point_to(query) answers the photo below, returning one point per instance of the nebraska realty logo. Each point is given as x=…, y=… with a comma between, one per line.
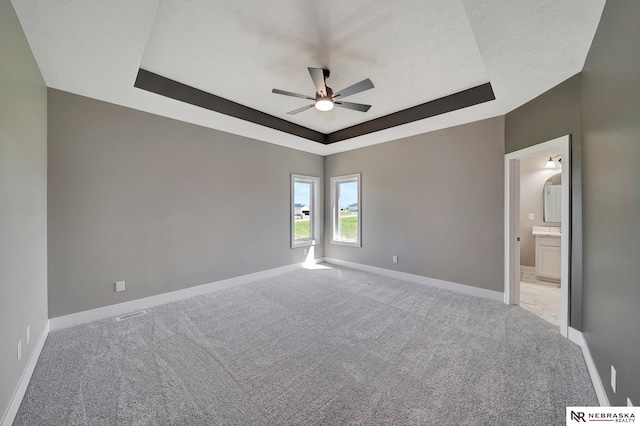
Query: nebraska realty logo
x=578, y=415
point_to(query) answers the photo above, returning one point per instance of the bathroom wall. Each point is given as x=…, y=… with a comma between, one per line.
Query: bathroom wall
x=533, y=175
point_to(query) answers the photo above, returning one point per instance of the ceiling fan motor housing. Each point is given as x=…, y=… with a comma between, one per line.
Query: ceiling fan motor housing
x=328, y=97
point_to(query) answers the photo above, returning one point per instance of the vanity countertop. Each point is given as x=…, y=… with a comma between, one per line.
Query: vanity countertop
x=547, y=231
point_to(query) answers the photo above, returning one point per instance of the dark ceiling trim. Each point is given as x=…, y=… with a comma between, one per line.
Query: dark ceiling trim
x=160, y=85
x=466, y=98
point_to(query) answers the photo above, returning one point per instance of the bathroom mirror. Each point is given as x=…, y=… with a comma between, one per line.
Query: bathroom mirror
x=552, y=199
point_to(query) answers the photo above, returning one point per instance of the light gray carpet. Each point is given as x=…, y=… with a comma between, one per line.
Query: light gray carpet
x=325, y=347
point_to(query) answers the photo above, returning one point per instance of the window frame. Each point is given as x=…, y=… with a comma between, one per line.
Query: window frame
x=335, y=209
x=314, y=211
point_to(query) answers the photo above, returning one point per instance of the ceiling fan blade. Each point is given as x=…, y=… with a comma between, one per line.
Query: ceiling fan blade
x=317, y=75
x=356, y=88
x=329, y=116
x=304, y=108
x=295, y=95
x=351, y=105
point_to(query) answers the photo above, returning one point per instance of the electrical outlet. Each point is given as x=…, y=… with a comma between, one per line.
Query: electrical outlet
x=629, y=404
x=19, y=350
x=613, y=379
x=28, y=334
x=120, y=286
x=531, y=216
x=395, y=259
x=305, y=251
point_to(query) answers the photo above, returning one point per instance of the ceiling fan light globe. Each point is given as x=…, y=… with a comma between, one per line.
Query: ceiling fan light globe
x=324, y=105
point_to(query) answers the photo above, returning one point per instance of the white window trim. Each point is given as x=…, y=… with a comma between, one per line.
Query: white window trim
x=314, y=211
x=335, y=209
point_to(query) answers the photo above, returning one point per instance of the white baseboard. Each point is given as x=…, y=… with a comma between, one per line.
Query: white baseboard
x=577, y=337
x=160, y=299
x=16, y=400
x=432, y=282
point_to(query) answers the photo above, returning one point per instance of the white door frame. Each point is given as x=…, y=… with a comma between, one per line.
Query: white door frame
x=512, y=221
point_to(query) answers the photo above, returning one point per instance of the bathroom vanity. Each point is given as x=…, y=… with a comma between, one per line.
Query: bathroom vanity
x=548, y=255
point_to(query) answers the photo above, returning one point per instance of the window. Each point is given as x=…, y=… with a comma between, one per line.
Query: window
x=304, y=210
x=346, y=212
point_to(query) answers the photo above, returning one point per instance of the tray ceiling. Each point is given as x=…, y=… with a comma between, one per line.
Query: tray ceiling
x=413, y=51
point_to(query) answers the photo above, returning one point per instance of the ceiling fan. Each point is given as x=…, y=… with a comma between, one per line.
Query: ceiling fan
x=325, y=99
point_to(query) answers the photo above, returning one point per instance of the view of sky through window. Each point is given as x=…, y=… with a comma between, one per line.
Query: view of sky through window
x=302, y=193
x=348, y=194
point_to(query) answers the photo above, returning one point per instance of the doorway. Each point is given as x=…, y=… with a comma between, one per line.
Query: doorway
x=513, y=231
x=540, y=231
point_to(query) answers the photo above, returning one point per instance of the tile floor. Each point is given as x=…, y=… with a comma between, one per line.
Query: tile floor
x=540, y=297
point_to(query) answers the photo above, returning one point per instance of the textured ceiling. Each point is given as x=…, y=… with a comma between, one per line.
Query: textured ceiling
x=250, y=50
x=413, y=51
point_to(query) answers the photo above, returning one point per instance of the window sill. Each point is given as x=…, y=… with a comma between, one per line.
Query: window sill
x=346, y=243
x=308, y=243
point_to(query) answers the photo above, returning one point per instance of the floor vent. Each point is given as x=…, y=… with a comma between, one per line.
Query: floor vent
x=131, y=315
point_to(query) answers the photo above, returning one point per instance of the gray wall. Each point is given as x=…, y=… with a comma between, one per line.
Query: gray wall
x=611, y=148
x=553, y=114
x=159, y=203
x=533, y=176
x=23, y=202
x=434, y=200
